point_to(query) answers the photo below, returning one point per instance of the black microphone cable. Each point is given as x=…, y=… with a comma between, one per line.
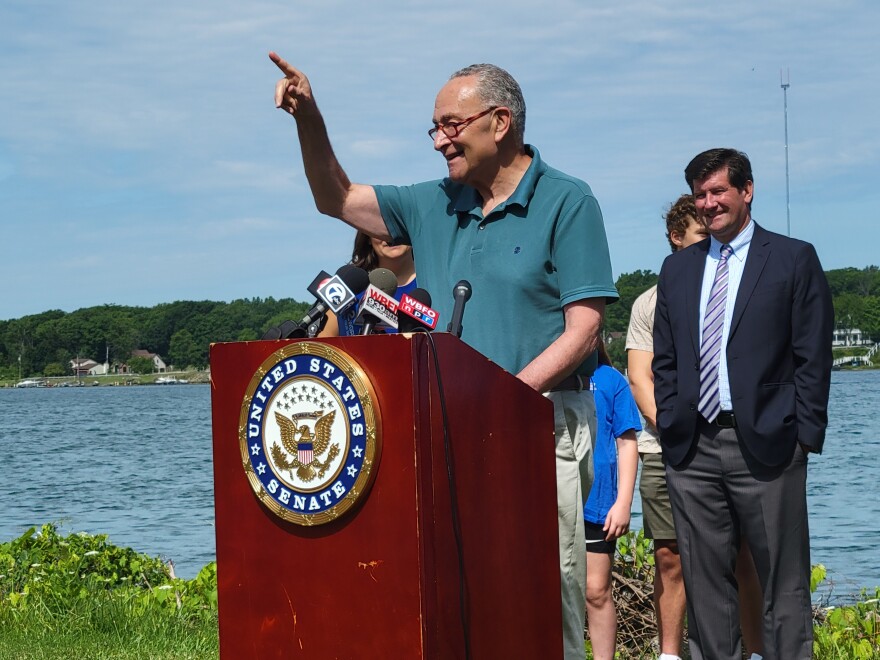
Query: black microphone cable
x=453, y=505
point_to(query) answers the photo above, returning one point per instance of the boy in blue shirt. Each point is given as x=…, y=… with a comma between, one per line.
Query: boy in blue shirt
x=607, y=511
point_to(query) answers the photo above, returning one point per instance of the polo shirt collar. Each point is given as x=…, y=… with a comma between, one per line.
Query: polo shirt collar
x=469, y=201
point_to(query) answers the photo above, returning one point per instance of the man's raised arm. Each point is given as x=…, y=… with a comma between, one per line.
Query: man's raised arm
x=334, y=194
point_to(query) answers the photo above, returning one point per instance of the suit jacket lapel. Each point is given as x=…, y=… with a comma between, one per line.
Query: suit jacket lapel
x=692, y=288
x=759, y=250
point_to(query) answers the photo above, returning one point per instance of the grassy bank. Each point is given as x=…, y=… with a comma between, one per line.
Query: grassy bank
x=79, y=597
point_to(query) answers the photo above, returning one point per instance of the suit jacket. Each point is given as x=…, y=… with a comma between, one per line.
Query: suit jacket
x=778, y=349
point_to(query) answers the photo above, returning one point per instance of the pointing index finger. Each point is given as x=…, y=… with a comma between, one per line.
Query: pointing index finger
x=282, y=64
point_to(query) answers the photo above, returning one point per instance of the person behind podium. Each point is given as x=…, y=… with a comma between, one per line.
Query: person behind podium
x=369, y=254
x=742, y=371
x=607, y=512
x=530, y=240
x=683, y=229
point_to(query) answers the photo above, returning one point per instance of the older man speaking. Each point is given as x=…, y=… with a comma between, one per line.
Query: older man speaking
x=529, y=238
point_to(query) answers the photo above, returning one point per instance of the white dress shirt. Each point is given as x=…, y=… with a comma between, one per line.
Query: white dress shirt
x=735, y=265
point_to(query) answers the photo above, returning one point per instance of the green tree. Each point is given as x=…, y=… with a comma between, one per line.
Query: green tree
x=21, y=341
x=849, y=311
x=63, y=356
x=247, y=334
x=186, y=352
x=120, y=334
x=140, y=365
x=55, y=369
x=629, y=286
x=860, y=282
x=871, y=318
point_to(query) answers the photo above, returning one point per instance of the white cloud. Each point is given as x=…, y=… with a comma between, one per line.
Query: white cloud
x=150, y=128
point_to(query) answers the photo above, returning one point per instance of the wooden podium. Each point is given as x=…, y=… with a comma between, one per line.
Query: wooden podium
x=412, y=570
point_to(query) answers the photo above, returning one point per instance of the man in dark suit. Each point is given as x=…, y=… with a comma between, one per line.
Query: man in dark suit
x=742, y=369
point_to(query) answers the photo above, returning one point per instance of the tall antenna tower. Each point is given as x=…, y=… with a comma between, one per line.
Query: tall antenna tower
x=785, y=83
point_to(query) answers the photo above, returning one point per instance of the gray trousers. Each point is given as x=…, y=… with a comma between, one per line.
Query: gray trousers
x=719, y=491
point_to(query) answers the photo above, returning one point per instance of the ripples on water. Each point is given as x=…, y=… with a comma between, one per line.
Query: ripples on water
x=842, y=485
x=130, y=462
x=135, y=463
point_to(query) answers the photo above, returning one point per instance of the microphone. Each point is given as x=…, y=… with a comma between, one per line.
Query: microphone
x=340, y=291
x=320, y=278
x=414, y=313
x=384, y=279
x=461, y=293
x=378, y=307
x=347, y=279
x=336, y=292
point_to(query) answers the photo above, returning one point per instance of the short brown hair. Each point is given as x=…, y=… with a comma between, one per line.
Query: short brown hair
x=739, y=169
x=679, y=216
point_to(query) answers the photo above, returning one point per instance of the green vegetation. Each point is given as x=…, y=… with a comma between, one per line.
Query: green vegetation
x=629, y=286
x=180, y=332
x=857, y=299
x=846, y=351
x=851, y=631
x=78, y=596
x=856, y=296
x=845, y=632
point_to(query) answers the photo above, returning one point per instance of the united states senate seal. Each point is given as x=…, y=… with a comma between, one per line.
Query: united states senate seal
x=309, y=433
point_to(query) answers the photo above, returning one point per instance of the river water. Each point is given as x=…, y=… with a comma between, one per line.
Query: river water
x=135, y=463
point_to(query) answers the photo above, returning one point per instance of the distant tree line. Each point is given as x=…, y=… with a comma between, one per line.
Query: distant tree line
x=182, y=331
x=856, y=294
x=857, y=299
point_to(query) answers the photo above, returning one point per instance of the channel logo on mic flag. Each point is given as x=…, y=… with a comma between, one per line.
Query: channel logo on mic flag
x=336, y=294
x=418, y=310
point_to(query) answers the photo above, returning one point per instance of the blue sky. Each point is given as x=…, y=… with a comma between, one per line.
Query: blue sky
x=142, y=159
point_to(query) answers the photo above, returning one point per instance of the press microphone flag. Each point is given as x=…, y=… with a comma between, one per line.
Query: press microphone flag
x=378, y=309
x=321, y=277
x=331, y=291
x=414, y=312
x=349, y=275
x=335, y=294
x=378, y=306
x=339, y=292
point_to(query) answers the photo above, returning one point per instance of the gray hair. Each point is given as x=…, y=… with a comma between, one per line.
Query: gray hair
x=497, y=87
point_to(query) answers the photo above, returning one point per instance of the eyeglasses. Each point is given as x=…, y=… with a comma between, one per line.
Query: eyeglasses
x=453, y=128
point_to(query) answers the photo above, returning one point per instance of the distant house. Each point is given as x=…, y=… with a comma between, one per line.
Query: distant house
x=612, y=337
x=87, y=367
x=158, y=363
x=849, y=337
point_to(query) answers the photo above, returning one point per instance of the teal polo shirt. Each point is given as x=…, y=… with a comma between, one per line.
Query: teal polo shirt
x=541, y=249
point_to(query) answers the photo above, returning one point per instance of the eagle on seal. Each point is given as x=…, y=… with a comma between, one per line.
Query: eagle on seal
x=304, y=448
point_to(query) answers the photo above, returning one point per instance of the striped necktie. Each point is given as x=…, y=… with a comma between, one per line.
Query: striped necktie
x=710, y=348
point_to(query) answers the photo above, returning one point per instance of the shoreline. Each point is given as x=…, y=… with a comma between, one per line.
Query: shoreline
x=189, y=377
